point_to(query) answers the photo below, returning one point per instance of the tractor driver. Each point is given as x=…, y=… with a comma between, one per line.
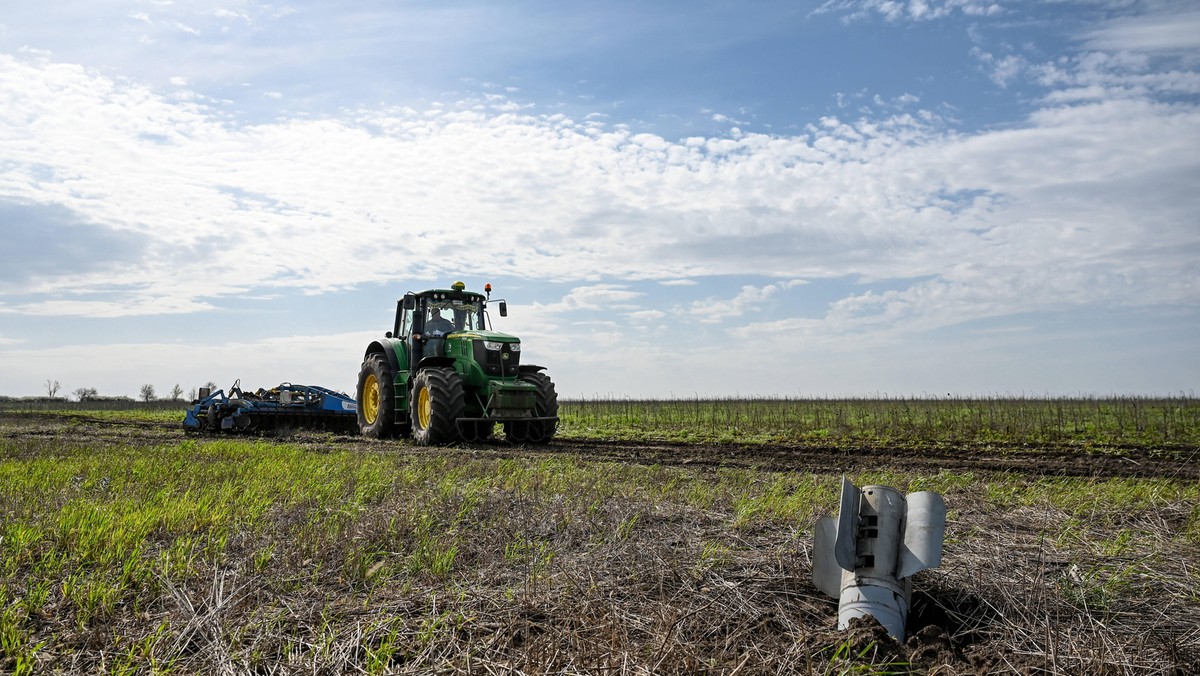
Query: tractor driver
x=438, y=325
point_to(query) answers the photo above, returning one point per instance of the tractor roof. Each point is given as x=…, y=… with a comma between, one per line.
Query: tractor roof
x=449, y=293
x=454, y=294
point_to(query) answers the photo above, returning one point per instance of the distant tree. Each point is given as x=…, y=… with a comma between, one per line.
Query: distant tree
x=176, y=392
x=147, y=392
x=85, y=393
x=211, y=386
x=192, y=394
x=52, y=388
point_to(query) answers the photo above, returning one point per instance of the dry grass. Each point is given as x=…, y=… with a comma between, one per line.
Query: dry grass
x=1014, y=590
x=264, y=557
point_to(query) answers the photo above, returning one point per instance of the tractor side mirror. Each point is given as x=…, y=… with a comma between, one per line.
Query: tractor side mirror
x=503, y=309
x=409, y=302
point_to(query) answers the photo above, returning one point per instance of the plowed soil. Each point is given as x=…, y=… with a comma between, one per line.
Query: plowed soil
x=1064, y=460
x=1115, y=462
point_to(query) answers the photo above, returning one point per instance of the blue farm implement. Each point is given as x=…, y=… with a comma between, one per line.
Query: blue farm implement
x=284, y=407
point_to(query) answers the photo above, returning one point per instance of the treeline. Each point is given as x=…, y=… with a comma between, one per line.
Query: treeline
x=86, y=395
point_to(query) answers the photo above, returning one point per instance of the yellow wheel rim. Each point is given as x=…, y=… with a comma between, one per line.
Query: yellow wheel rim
x=424, y=408
x=370, y=399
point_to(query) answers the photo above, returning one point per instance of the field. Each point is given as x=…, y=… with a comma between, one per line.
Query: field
x=650, y=537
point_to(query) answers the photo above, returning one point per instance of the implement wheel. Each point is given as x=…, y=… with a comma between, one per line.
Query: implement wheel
x=538, y=431
x=437, y=404
x=376, y=398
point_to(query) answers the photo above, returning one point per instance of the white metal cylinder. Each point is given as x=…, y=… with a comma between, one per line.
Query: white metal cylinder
x=872, y=588
x=887, y=603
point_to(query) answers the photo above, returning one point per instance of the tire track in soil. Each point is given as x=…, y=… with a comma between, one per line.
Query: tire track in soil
x=1132, y=463
x=1126, y=461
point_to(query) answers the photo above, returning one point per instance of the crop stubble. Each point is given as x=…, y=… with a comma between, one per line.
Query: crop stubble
x=634, y=583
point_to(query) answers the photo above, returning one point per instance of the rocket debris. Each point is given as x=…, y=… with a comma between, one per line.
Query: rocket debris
x=866, y=558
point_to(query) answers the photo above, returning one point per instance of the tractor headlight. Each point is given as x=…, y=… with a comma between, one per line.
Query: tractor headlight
x=492, y=344
x=514, y=347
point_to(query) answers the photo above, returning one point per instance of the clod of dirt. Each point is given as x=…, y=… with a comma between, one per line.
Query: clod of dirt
x=865, y=637
x=931, y=646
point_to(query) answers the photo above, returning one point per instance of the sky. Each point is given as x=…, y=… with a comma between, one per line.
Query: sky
x=676, y=199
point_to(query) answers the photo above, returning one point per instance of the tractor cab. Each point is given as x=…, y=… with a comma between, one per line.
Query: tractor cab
x=424, y=320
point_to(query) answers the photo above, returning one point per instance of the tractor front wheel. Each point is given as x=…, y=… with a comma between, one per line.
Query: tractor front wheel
x=437, y=404
x=376, y=398
x=545, y=406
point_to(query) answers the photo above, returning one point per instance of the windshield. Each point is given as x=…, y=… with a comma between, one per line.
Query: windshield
x=445, y=316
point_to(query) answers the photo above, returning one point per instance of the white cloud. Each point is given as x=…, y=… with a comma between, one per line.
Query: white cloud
x=603, y=297
x=108, y=309
x=750, y=298
x=1157, y=33
x=1095, y=188
x=910, y=10
x=1006, y=69
x=223, y=13
x=1101, y=76
x=646, y=316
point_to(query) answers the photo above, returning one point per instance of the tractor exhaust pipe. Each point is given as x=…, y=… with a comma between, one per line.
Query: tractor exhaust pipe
x=867, y=557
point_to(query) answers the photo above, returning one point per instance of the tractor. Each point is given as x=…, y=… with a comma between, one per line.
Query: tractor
x=441, y=375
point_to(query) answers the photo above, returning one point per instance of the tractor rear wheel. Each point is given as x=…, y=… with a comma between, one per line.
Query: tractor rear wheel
x=546, y=405
x=376, y=397
x=437, y=404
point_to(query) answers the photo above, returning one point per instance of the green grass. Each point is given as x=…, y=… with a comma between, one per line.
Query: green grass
x=110, y=409
x=1082, y=421
x=93, y=534
x=164, y=414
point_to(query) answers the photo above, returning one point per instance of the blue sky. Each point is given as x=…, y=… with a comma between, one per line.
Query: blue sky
x=853, y=197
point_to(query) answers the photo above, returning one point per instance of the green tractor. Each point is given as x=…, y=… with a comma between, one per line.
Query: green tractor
x=441, y=376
